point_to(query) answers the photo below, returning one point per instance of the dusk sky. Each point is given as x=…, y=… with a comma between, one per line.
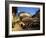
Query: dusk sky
x=30, y=10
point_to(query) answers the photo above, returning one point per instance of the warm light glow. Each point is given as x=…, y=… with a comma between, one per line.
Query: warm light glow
x=25, y=14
